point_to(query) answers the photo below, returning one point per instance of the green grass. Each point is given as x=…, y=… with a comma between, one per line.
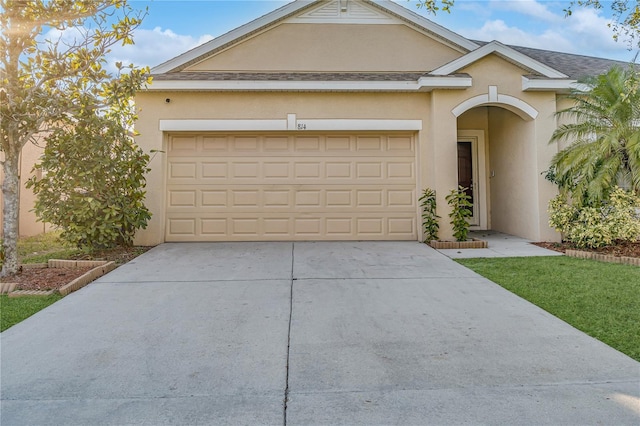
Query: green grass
x=14, y=310
x=41, y=248
x=601, y=299
x=38, y=249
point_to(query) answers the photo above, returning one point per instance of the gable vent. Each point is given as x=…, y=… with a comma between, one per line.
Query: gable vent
x=329, y=11
x=359, y=11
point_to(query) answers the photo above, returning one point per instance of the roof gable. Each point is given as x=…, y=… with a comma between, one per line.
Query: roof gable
x=507, y=53
x=374, y=12
x=331, y=47
x=339, y=12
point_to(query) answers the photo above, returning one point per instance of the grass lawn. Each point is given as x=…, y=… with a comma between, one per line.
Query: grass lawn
x=14, y=310
x=38, y=249
x=601, y=299
x=41, y=248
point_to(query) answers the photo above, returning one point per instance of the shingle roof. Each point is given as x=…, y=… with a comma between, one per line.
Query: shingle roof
x=574, y=66
x=289, y=76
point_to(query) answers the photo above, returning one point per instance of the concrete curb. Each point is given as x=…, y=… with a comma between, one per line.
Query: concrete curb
x=95, y=273
x=624, y=260
x=34, y=265
x=6, y=288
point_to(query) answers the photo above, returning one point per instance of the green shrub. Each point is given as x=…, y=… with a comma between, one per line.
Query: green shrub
x=93, y=180
x=616, y=219
x=430, y=223
x=461, y=206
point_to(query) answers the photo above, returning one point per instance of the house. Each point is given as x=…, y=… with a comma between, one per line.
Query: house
x=28, y=225
x=325, y=120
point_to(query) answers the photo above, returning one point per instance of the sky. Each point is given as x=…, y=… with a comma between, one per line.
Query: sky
x=175, y=26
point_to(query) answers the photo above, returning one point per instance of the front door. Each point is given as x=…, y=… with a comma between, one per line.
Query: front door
x=467, y=153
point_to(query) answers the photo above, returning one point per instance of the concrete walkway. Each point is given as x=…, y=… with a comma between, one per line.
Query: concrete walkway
x=500, y=245
x=346, y=333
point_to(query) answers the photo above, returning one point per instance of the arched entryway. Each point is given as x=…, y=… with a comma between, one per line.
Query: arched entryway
x=497, y=157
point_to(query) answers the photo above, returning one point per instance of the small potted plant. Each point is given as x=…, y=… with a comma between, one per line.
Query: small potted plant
x=461, y=210
x=430, y=224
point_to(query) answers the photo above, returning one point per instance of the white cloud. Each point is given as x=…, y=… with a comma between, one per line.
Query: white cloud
x=154, y=47
x=590, y=30
x=499, y=30
x=529, y=8
x=585, y=32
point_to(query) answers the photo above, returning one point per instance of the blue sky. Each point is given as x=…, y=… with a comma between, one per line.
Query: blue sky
x=174, y=26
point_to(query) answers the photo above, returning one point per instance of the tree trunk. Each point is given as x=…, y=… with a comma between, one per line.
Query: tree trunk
x=11, y=211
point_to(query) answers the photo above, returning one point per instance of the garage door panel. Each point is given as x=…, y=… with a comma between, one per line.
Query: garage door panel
x=369, y=143
x=213, y=228
x=260, y=171
x=402, y=145
x=246, y=187
x=182, y=227
x=277, y=227
x=214, y=143
x=290, y=146
x=339, y=144
x=183, y=171
x=292, y=226
x=216, y=170
x=292, y=198
x=213, y=198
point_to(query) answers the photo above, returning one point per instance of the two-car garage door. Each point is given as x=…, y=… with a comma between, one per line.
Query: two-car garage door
x=295, y=186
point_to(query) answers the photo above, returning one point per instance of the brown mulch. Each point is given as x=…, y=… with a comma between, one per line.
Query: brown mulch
x=119, y=255
x=621, y=249
x=54, y=278
x=44, y=278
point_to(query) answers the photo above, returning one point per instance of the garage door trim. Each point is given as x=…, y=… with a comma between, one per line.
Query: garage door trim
x=291, y=123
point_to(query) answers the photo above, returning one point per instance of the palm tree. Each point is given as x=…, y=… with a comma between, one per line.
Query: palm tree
x=604, y=138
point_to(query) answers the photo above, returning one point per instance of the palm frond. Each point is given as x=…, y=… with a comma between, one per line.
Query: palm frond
x=604, y=137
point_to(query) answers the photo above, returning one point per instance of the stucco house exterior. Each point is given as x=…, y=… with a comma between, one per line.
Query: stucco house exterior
x=29, y=225
x=325, y=120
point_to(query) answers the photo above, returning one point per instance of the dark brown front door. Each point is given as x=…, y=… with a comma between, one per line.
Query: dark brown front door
x=465, y=167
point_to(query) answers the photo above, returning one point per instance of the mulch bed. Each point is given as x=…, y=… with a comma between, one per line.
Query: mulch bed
x=54, y=278
x=622, y=249
x=44, y=278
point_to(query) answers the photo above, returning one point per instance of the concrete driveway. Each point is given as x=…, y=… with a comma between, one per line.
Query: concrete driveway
x=302, y=334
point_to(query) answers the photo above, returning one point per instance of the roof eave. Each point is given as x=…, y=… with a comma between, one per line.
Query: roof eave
x=426, y=24
x=550, y=85
x=424, y=84
x=503, y=51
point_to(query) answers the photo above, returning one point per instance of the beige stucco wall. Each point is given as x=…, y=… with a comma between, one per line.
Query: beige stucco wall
x=510, y=210
x=515, y=145
x=202, y=105
x=513, y=174
x=563, y=103
x=29, y=225
x=296, y=47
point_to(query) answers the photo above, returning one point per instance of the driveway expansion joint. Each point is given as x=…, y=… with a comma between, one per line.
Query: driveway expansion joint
x=286, y=388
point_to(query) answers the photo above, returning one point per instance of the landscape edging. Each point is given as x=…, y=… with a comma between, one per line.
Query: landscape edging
x=624, y=260
x=91, y=275
x=100, y=267
x=472, y=244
